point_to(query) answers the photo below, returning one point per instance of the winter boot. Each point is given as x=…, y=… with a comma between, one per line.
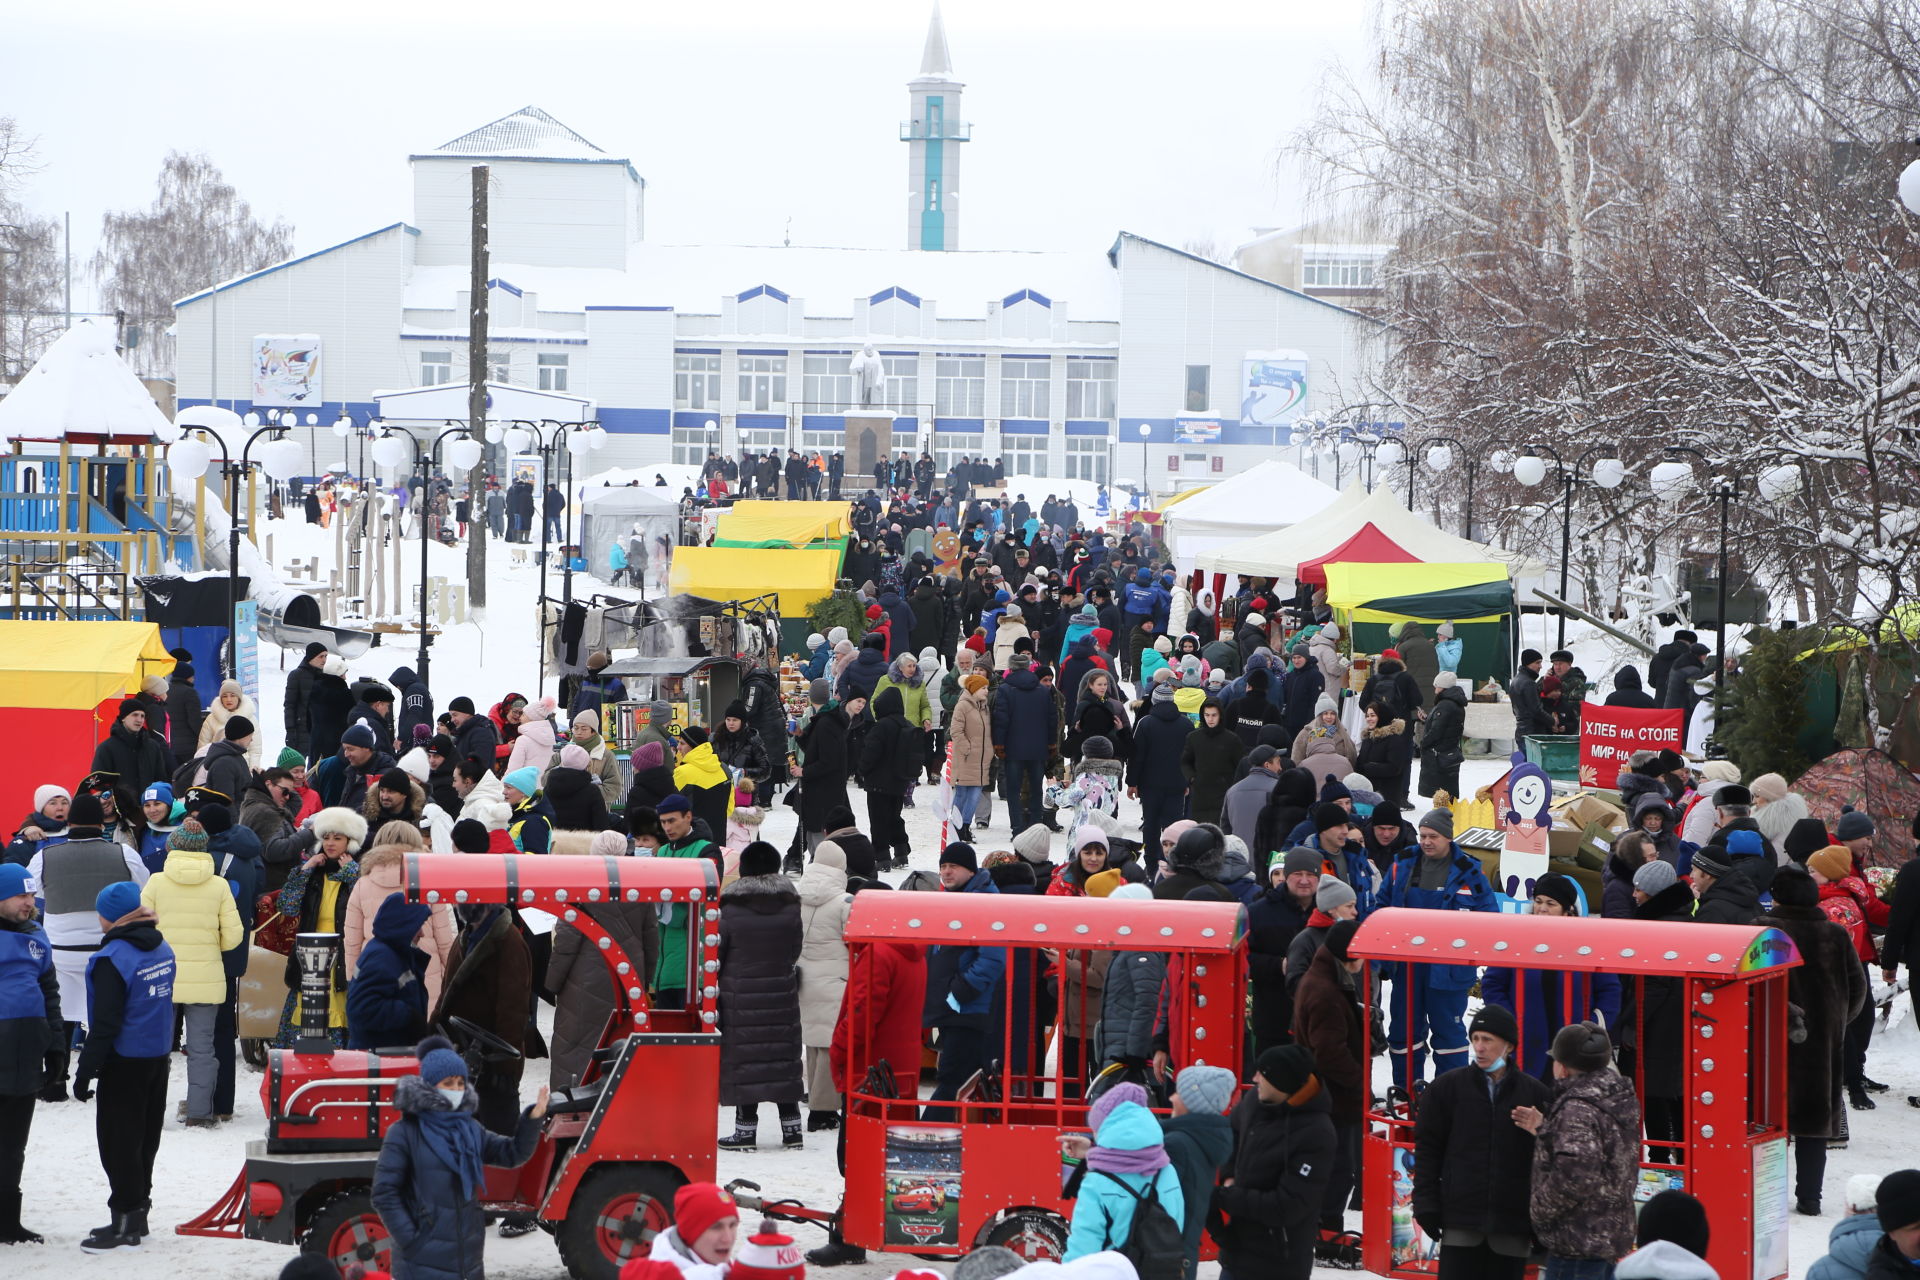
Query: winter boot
x=790, y=1135
x=11, y=1232
x=117, y=1234
x=1857, y=1097
x=835, y=1253
x=137, y=1222
x=745, y=1138
x=794, y=864
x=965, y=835
x=1873, y=1086
x=819, y=1121
x=515, y=1225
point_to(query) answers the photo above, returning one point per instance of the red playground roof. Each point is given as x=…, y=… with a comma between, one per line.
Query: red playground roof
x=1027, y=920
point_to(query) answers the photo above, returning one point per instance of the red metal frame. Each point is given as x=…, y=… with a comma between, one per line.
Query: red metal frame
x=1733, y=1116
x=1009, y=1156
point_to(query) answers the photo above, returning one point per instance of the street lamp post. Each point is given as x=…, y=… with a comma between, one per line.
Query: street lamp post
x=1670, y=481
x=1529, y=469
x=1146, y=485
x=1439, y=452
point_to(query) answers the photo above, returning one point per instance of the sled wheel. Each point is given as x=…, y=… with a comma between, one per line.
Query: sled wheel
x=347, y=1231
x=1034, y=1234
x=615, y=1215
x=254, y=1053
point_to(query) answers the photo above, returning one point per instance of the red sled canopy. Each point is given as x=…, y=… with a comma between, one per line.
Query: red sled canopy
x=1367, y=546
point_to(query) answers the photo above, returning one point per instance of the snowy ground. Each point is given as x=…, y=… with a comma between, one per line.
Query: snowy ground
x=484, y=658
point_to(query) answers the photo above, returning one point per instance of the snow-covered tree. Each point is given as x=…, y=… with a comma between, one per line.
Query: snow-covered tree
x=30, y=267
x=197, y=232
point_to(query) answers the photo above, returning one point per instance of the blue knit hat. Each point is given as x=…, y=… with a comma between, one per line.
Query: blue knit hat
x=525, y=780
x=13, y=879
x=675, y=803
x=161, y=791
x=438, y=1060
x=117, y=900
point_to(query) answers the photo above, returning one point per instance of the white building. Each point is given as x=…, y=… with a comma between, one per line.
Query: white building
x=1054, y=361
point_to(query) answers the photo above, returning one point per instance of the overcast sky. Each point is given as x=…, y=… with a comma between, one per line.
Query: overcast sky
x=1163, y=119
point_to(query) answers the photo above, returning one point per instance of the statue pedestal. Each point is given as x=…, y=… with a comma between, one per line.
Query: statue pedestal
x=869, y=438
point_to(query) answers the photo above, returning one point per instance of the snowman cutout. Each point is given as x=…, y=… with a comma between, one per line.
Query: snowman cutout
x=1523, y=851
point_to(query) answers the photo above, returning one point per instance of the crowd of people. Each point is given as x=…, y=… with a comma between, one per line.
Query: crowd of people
x=1056, y=672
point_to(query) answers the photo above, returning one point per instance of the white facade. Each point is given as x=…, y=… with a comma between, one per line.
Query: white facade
x=1051, y=361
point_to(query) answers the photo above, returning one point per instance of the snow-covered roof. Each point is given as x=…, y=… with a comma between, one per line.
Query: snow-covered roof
x=528, y=133
x=694, y=279
x=80, y=389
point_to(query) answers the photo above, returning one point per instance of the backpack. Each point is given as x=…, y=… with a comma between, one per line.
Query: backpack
x=1154, y=1244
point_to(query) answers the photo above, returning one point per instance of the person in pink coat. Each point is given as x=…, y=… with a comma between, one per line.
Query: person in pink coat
x=382, y=870
x=533, y=746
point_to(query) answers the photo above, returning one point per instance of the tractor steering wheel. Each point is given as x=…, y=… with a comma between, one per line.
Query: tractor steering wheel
x=491, y=1045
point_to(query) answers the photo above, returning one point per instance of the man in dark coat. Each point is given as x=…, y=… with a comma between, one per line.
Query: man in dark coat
x=223, y=771
x=760, y=694
x=1663, y=659
x=34, y=1036
x=373, y=707
x=184, y=714
x=1627, y=691
x=297, y=725
x=929, y=616
x=760, y=940
x=474, y=736
x=964, y=986
x=1421, y=659
x=1326, y=1023
x=1529, y=715
x=1153, y=774
x=1725, y=896
x=889, y=762
x=1274, y=919
x=822, y=744
x=415, y=707
x=1687, y=668
x=328, y=705
x=1828, y=988
x=1473, y=1164
x=1026, y=735
x=1196, y=861
x=1265, y=1218
x=136, y=756
x=1652, y=1023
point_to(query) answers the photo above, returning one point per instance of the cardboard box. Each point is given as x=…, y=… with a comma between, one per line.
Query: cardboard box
x=1585, y=809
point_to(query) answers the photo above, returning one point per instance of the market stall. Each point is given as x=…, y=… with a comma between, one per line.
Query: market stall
x=696, y=690
x=619, y=516
x=795, y=579
x=66, y=680
x=1270, y=495
x=1476, y=598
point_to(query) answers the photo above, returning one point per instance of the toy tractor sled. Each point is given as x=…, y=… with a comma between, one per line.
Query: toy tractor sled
x=610, y=1157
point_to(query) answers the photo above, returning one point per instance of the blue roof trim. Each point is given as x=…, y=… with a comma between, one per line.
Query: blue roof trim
x=610, y=308
x=965, y=426
x=477, y=159
x=491, y=339
x=1088, y=427
x=497, y=283
x=763, y=351
x=1023, y=427
x=821, y=351
x=636, y=422
x=914, y=354
x=696, y=419
x=763, y=290
x=1113, y=259
x=1077, y=355
x=894, y=291
x=960, y=355
x=760, y=422
x=1026, y=295
x=823, y=422
x=291, y=262
x=696, y=351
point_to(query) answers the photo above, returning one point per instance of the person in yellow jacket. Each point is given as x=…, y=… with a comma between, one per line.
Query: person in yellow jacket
x=704, y=781
x=198, y=919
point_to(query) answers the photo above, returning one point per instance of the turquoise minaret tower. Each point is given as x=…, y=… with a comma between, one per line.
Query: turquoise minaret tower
x=934, y=135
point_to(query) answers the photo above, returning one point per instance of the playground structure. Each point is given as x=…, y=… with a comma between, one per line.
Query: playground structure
x=1727, y=1144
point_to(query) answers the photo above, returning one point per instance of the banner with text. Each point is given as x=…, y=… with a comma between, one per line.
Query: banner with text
x=1609, y=735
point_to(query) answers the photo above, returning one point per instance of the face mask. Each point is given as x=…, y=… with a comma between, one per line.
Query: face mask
x=1496, y=1065
x=1363, y=810
x=454, y=1097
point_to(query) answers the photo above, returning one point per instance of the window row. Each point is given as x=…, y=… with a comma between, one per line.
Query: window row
x=436, y=368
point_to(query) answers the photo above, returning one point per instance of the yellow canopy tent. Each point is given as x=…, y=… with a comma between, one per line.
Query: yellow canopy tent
x=797, y=578
x=755, y=520
x=70, y=677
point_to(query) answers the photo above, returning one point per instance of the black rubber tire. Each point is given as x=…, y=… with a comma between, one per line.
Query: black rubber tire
x=1034, y=1234
x=347, y=1230
x=627, y=1203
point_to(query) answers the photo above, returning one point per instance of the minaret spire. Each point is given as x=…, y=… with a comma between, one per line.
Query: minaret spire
x=934, y=135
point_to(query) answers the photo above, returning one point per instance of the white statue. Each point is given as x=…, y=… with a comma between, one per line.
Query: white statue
x=868, y=373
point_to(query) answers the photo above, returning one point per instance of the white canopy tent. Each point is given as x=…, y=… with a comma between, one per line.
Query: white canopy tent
x=1280, y=553
x=615, y=514
x=81, y=390
x=1271, y=495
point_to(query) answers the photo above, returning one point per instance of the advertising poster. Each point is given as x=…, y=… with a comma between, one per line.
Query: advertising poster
x=1275, y=391
x=246, y=647
x=1770, y=1207
x=1610, y=735
x=922, y=1186
x=1410, y=1243
x=286, y=370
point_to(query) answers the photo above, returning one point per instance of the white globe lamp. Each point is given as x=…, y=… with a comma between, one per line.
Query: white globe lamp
x=1529, y=469
x=518, y=439
x=1910, y=187
x=281, y=458
x=463, y=453
x=1439, y=457
x=189, y=457
x=1779, y=484
x=390, y=450
x=1391, y=453
x=1609, y=473
x=1671, y=480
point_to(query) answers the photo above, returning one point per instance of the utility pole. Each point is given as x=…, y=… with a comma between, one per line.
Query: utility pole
x=477, y=394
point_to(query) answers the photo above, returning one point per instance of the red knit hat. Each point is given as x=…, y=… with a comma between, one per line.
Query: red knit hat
x=767, y=1255
x=1390, y=653
x=873, y=611
x=699, y=1205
